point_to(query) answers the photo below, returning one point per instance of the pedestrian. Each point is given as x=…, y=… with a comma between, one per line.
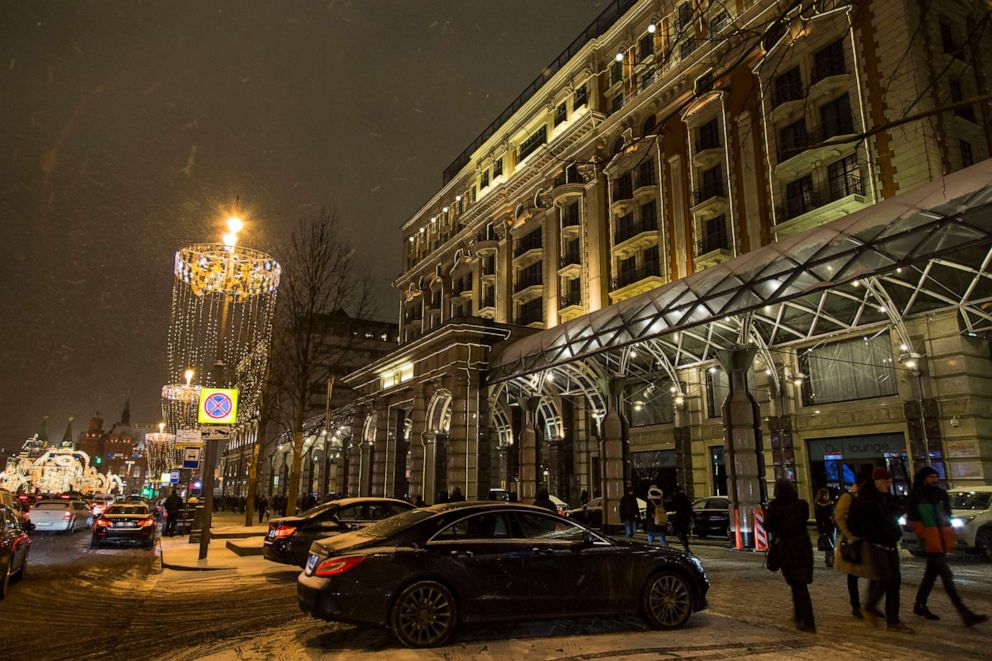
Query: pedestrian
x=656, y=515
x=456, y=495
x=544, y=500
x=854, y=544
x=584, y=498
x=262, y=507
x=823, y=511
x=629, y=513
x=875, y=517
x=929, y=513
x=172, y=505
x=442, y=497
x=786, y=520
x=683, y=516
x=419, y=501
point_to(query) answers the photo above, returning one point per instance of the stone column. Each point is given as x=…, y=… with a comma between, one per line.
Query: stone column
x=380, y=449
x=461, y=436
x=528, y=451
x=421, y=396
x=351, y=455
x=613, y=454
x=742, y=440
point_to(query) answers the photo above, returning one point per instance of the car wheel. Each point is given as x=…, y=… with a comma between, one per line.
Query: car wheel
x=4, y=579
x=424, y=614
x=23, y=569
x=667, y=600
x=983, y=542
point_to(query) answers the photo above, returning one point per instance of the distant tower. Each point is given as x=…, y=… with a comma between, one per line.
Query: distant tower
x=43, y=432
x=126, y=414
x=67, y=441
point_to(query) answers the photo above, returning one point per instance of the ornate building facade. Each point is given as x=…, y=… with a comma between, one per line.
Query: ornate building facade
x=669, y=202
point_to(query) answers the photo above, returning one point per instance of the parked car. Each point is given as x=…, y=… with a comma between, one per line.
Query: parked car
x=127, y=523
x=711, y=517
x=60, y=515
x=591, y=513
x=289, y=537
x=504, y=496
x=971, y=517
x=14, y=547
x=98, y=506
x=423, y=572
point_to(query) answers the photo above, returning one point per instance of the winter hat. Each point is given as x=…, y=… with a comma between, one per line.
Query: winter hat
x=922, y=475
x=654, y=492
x=881, y=474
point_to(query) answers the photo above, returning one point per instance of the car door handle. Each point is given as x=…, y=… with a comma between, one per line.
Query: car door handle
x=462, y=554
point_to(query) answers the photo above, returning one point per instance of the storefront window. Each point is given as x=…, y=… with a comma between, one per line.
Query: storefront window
x=835, y=463
x=848, y=370
x=649, y=404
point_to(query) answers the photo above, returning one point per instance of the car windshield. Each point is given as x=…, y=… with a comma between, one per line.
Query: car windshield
x=314, y=511
x=52, y=505
x=128, y=509
x=394, y=524
x=970, y=500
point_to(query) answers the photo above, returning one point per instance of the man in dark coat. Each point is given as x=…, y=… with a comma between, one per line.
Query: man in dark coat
x=786, y=520
x=683, y=516
x=629, y=513
x=457, y=496
x=875, y=517
x=262, y=507
x=544, y=500
x=172, y=505
x=929, y=513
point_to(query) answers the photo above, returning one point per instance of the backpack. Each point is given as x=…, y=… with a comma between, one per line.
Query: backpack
x=660, y=516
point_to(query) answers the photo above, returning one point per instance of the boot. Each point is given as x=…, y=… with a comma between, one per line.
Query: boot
x=971, y=619
x=900, y=628
x=926, y=613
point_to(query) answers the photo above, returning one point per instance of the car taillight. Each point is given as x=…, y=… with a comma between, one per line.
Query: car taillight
x=67, y=516
x=103, y=523
x=336, y=566
x=285, y=531
x=147, y=522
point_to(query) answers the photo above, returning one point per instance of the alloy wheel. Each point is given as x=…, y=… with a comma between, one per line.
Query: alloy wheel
x=669, y=601
x=984, y=544
x=424, y=615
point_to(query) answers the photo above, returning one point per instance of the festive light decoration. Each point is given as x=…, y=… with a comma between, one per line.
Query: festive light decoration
x=161, y=453
x=58, y=470
x=209, y=276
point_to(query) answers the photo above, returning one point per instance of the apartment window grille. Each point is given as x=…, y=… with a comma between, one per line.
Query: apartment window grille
x=829, y=61
x=616, y=72
x=645, y=47
x=789, y=87
x=835, y=117
x=532, y=143
x=645, y=173
x=561, y=113
x=844, y=177
x=799, y=196
x=581, y=97
x=957, y=96
x=967, y=157
x=848, y=370
x=498, y=167
x=708, y=136
x=616, y=103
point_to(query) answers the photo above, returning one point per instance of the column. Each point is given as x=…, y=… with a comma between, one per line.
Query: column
x=742, y=440
x=380, y=449
x=528, y=451
x=420, y=458
x=613, y=455
x=353, y=456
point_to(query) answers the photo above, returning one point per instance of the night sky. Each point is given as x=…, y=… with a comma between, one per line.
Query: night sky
x=126, y=128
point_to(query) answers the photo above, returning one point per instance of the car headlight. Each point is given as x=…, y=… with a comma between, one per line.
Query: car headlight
x=960, y=521
x=902, y=520
x=697, y=564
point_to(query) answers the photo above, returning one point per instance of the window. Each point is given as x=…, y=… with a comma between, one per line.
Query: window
x=580, y=98
x=531, y=312
x=616, y=103
x=967, y=158
x=649, y=125
x=623, y=187
x=684, y=16
x=481, y=526
x=704, y=83
x=687, y=47
x=531, y=144
x=717, y=390
x=645, y=173
x=651, y=260
x=547, y=527
x=829, y=61
x=616, y=72
x=484, y=179
x=561, y=113
x=799, y=197
x=570, y=215
x=715, y=236
x=649, y=405
x=649, y=215
x=625, y=227
x=848, y=370
x=708, y=136
x=498, y=167
x=788, y=87
x=718, y=21
x=647, y=80
x=628, y=265
x=645, y=47
x=713, y=181
x=947, y=39
x=835, y=117
x=844, y=177
x=792, y=140
x=957, y=96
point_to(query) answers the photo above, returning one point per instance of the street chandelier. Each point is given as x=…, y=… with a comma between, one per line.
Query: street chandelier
x=214, y=268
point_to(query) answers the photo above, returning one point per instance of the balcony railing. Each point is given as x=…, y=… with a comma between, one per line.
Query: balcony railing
x=827, y=65
x=488, y=301
x=626, y=231
x=812, y=137
x=715, y=241
x=568, y=258
x=788, y=92
x=529, y=242
x=527, y=280
x=623, y=188
x=529, y=315
x=814, y=198
x=707, y=192
x=630, y=276
x=571, y=218
x=569, y=298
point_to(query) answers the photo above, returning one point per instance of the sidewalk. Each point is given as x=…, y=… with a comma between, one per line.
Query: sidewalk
x=179, y=554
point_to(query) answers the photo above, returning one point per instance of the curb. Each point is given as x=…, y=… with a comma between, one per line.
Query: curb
x=174, y=567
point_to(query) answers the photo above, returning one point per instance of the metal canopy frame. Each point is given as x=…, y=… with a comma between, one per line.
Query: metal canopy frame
x=926, y=250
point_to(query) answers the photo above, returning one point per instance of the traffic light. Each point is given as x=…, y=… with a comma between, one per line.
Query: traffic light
x=99, y=460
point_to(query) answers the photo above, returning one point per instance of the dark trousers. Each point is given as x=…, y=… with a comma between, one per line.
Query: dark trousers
x=887, y=563
x=261, y=515
x=937, y=566
x=170, y=523
x=683, y=535
x=852, y=591
x=802, y=605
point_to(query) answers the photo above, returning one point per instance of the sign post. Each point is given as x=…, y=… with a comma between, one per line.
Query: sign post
x=218, y=408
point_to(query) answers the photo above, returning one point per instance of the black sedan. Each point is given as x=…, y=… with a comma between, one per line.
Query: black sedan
x=289, y=538
x=422, y=572
x=128, y=523
x=14, y=547
x=711, y=516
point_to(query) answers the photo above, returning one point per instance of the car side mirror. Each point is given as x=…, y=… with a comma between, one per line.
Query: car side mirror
x=31, y=527
x=588, y=539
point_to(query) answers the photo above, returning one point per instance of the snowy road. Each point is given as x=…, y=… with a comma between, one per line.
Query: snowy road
x=77, y=604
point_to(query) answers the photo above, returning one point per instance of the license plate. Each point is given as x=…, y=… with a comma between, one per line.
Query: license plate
x=44, y=523
x=272, y=533
x=125, y=524
x=311, y=563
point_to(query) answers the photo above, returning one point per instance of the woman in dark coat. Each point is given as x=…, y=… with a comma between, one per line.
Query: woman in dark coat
x=786, y=520
x=823, y=510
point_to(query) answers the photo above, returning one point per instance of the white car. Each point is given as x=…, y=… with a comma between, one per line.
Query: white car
x=59, y=515
x=971, y=517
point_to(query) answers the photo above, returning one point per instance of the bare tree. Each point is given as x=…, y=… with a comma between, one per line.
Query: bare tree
x=321, y=281
x=266, y=413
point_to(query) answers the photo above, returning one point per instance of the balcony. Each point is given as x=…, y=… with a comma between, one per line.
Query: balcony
x=801, y=151
x=570, y=302
x=632, y=276
x=530, y=316
x=567, y=184
x=528, y=250
x=528, y=285
x=487, y=306
x=829, y=75
x=787, y=95
x=629, y=237
x=817, y=206
x=714, y=247
x=486, y=242
x=570, y=262
x=461, y=287
x=709, y=200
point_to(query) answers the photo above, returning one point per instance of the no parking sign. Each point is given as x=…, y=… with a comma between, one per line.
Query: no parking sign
x=218, y=406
